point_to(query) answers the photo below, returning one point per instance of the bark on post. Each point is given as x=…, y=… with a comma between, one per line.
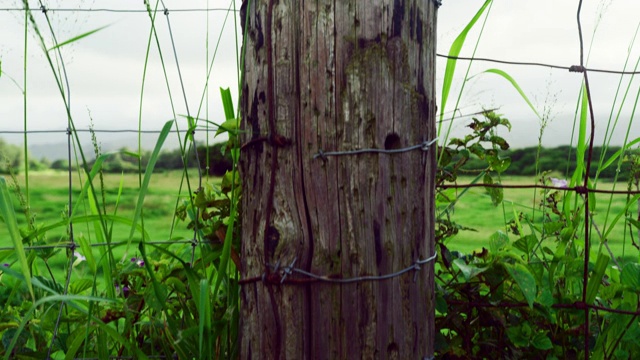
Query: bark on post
x=337, y=75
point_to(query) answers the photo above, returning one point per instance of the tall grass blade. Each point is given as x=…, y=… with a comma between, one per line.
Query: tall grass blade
x=617, y=154
x=204, y=323
x=454, y=51
x=596, y=277
x=623, y=211
x=87, y=253
x=159, y=290
x=147, y=175
x=76, y=38
x=9, y=216
x=581, y=147
x=91, y=174
x=515, y=85
x=226, y=247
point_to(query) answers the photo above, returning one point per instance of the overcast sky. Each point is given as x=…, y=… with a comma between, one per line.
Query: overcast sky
x=105, y=69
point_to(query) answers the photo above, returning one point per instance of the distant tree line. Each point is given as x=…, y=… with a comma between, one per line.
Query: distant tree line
x=12, y=157
x=216, y=158
x=561, y=159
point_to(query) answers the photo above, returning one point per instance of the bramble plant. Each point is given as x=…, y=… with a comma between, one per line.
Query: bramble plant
x=516, y=297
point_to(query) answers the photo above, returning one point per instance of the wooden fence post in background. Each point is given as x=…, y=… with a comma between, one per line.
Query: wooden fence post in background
x=325, y=76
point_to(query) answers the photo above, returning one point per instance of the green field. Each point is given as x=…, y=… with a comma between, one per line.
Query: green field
x=475, y=210
x=48, y=201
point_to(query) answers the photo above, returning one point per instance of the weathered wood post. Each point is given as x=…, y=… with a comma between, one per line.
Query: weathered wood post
x=328, y=76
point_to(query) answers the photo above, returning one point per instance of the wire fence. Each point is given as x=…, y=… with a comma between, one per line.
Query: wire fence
x=584, y=190
x=283, y=274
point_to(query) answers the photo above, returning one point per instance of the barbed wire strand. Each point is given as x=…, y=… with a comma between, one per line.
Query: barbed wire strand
x=424, y=146
x=276, y=277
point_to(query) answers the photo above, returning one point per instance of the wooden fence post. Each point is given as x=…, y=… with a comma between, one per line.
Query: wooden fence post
x=327, y=76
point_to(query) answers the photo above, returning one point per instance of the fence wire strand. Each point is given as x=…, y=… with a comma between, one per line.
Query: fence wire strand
x=572, y=68
x=134, y=11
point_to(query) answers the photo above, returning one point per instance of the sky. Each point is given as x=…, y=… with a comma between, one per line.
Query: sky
x=106, y=68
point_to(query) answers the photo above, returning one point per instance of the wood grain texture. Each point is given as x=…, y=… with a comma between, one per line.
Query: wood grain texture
x=338, y=75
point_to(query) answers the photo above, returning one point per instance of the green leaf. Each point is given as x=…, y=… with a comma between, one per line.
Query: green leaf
x=526, y=243
x=596, y=277
x=469, y=271
x=192, y=127
x=524, y=279
x=499, y=164
x=567, y=233
x=542, y=342
x=80, y=285
x=229, y=126
x=454, y=51
x=552, y=227
x=501, y=142
x=441, y=304
x=76, y=38
x=496, y=194
x=498, y=241
x=630, y=276
x=154, y=296
x=478, y=150
x=517, y=336
x=227, y=103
